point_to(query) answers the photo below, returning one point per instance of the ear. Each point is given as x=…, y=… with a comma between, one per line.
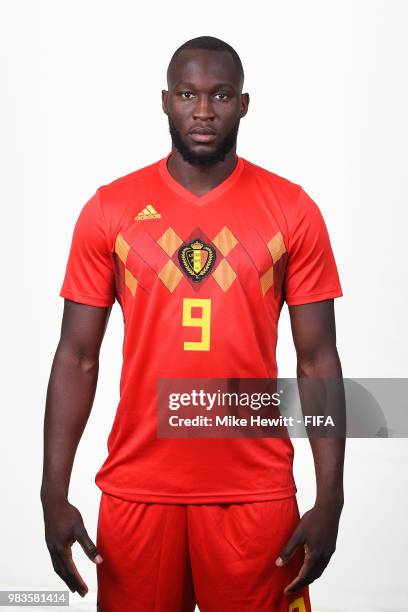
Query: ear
x=244, y=104
x=165, y=95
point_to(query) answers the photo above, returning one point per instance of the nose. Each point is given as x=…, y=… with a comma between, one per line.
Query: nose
x=203, y=109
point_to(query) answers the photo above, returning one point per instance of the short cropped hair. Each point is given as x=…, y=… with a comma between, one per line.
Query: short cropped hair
x=207, y=43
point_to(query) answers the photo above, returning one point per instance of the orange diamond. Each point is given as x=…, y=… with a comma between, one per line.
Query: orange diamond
x=276, y=247
x=170, y=275
x=267, y=280
x=225, y=241
x=130, y=281
x=121, y=248
x=169, y=241
x=224, y=275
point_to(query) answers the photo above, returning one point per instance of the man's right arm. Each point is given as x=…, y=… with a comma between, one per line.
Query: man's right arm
x=70, y=395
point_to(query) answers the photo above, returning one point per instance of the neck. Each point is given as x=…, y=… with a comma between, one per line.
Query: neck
x=200, y=179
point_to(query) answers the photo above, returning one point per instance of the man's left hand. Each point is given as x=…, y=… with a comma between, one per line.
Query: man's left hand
x=317, y=532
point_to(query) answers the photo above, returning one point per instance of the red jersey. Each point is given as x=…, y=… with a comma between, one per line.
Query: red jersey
x=201, y=281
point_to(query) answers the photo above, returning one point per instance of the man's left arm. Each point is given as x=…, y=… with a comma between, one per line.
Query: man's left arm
x=314, y=336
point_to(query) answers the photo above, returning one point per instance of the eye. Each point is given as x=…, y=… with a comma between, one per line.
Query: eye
x=186, y=95
x=222, y=96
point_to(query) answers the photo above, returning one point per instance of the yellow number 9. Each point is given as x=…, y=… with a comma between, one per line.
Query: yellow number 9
x=203, y=322
x=298, y=605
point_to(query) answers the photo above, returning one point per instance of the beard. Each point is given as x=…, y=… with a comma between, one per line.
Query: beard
x=204, y=159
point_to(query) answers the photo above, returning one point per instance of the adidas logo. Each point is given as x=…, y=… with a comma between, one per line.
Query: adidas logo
x=148, y=213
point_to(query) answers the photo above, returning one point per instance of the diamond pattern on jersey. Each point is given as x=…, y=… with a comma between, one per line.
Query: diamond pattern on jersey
x=130, y=282
x=267, y=280
x=225, y=241
x=224, y=275
x=170, y=275
x=170, y=241
x=122, y=249
x=154, y=258
x=277, y=249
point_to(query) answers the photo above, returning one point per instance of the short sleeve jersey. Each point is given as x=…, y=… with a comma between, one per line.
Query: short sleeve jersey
x=164, y=254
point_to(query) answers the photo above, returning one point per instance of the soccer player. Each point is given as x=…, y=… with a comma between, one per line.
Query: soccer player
x=201, y=250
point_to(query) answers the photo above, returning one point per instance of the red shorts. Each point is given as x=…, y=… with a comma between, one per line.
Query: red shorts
x=221, y=557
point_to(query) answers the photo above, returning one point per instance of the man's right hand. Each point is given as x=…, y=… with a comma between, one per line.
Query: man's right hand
x=64, y=526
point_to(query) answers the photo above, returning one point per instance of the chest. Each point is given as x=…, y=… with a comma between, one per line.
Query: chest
x=219, y=246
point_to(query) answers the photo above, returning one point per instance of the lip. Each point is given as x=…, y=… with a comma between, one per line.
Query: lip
x=202, y=134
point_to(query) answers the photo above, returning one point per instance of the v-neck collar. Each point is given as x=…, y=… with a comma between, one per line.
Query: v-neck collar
x=217, y=191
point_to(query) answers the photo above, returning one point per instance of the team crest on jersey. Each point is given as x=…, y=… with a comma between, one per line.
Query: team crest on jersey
x=197, y=259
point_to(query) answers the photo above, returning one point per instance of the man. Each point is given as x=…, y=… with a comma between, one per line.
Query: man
x=200, y=249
